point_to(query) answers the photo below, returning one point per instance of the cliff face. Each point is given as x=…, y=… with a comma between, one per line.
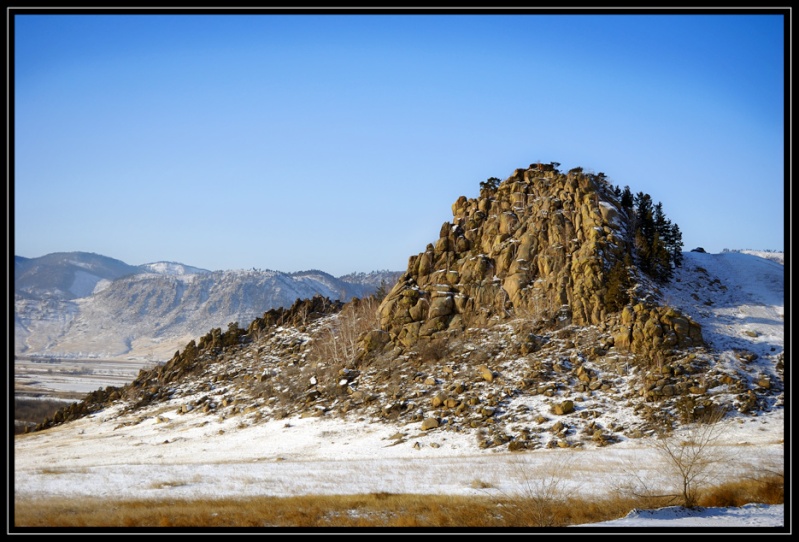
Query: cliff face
x=539, y=246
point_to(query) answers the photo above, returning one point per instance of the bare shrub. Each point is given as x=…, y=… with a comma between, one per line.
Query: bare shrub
x=477, y=483
x=542, y=493
x=291, y=384
x=434, y=350
x=691, y=461
x=336, y=342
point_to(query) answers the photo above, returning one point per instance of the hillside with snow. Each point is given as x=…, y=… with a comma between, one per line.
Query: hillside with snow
x=166, y=450
x=87, y=306
x=739, y=300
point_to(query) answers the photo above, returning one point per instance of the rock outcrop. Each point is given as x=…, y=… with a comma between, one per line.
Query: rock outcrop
x=501, y=329
x=540, y=245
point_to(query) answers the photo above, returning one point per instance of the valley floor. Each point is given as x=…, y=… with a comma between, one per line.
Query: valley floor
x=198, y=459
x=71, y=379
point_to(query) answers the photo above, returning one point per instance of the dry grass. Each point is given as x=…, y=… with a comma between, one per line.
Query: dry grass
x=768, y=488
x=373, y=510
x=376, y=510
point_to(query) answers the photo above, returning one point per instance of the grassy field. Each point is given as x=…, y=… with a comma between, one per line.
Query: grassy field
x=376, y=510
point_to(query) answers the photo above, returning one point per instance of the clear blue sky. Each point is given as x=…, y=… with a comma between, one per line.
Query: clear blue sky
x=339, y=142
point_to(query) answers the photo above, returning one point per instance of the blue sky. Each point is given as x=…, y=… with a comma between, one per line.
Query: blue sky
x=339, y=142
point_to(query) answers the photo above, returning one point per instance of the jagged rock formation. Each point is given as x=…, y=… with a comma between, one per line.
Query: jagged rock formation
x=539, y=246
x=499, y=329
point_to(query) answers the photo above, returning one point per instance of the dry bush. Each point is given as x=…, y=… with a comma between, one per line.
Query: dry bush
x=289, y=384
x=482, y=357
x=335, y=347
x=543, y=492
x=574, y=511
x=477, y=483
x=336, y=343
x=434, y=350
x=691, y=461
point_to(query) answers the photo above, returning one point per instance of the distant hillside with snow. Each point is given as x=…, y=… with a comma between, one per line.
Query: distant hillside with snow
x=65, y=275
x=774, y=256
x=81, y=305
x=173, y=268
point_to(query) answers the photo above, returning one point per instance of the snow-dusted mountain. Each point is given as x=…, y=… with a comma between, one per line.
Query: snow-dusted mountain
x=66, y=275
x=80, y=305
x=173, y=268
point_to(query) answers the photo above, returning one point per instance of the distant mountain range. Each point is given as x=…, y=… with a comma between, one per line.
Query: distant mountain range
x=85, y=305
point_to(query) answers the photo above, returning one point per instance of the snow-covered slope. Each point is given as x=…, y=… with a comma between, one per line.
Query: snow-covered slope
x=162, y=453
x=739, y=300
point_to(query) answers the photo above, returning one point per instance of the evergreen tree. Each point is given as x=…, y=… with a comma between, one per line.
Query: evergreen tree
x=644, y=220
x=657, y=242
x=675, y=245
x=618, y=284
x=489, y=185
x=659, y=219
x=627, y=198
x=660, y=250
x=382, y=291
x=643, y=250
x=660, y=260
x=644, y=236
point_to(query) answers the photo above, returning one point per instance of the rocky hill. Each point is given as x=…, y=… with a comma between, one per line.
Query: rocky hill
x=541, y=247
x=72, y=305
x=501, y=328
